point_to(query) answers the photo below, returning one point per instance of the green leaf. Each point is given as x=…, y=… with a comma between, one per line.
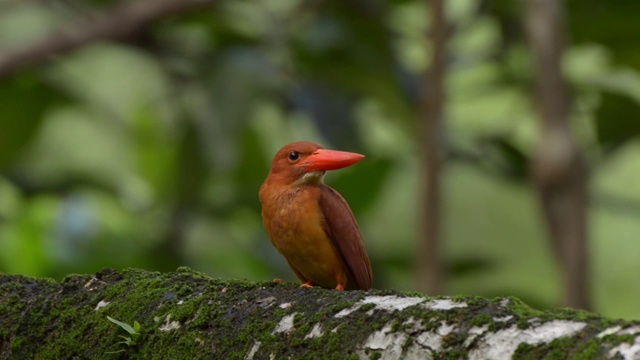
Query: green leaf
x=124, y=326
x=127, y=340
x=617, y=120
x=23, y=101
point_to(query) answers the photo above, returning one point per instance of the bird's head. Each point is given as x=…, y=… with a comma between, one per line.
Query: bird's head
x=305, y=162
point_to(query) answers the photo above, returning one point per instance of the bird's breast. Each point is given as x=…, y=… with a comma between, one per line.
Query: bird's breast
x=293, y=219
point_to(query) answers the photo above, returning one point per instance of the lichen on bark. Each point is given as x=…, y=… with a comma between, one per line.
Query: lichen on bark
x=185, y=314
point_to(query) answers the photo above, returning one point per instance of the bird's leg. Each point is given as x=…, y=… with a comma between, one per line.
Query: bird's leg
x=308, y=284
x=340, y=287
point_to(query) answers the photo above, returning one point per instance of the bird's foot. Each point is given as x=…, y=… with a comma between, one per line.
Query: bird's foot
x=308, y=284
x=340, y=287
x=278, y=280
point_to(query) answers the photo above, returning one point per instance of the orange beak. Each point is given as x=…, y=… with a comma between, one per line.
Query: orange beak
x=323, y=159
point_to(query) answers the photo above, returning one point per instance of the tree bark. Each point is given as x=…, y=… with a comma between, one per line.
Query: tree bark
x=559, y=169
x=184, y=315
x=429, y=271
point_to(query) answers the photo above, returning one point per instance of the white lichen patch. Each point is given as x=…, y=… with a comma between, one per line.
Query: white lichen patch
x=388, y=343
x=386, y=340
x=609, y=331
x=629, y=331
x=386, y=303
x=417, y=352
x=169, y=325
x=412, y=326
x=503, y=318
x=316, y=331
x=392, y=303
x=348, y=311
x=503, y=343
x=534, y=321
x=430, y=340
x=93, y=284
x=626, y=350
x=474, y=333
x=285, y=325
x=254, y=349
x=433, y=339
x=101, y=304
x=266, y=302
x=444, y=304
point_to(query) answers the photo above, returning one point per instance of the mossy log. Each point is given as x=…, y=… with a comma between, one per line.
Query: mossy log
x=187, y=315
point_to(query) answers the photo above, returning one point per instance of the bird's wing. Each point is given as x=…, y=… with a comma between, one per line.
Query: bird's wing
x=342, y=229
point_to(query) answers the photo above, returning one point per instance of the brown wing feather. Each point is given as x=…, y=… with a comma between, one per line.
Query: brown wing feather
x=342, y=229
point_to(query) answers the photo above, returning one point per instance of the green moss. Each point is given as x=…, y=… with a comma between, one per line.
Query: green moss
x=225, y=319
x=566, y=313
x=538, y=352
x=384, y=292
x=453, y=354
x=591, y=351
x=482, y=319
x=415, y=294
x=367, y=307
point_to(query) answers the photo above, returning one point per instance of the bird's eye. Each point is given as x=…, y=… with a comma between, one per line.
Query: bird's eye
x=294, y=155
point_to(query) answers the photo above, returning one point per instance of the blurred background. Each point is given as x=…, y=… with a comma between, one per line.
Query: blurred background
x=145, y=143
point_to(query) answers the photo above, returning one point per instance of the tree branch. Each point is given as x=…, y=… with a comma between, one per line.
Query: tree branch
x=184, y=315
x=124, y=20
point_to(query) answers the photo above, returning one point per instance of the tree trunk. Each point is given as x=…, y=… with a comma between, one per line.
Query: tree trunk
x=430, y=275
x=187, y=315
x=559, y=169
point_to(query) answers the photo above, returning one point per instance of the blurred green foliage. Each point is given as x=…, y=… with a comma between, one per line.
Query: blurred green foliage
x=150, y=153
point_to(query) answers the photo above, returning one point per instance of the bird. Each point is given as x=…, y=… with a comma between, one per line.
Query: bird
x=311, y=224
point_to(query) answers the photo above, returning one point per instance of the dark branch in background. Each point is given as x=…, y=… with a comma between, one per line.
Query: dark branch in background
x=428, y=262
x=124, y=20
x=559, y=169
